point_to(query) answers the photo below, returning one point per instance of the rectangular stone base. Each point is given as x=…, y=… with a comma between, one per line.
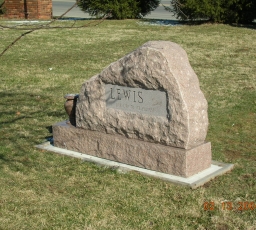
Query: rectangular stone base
x=157, y=157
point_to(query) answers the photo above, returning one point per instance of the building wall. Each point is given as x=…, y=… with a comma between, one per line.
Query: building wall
x=28, y=9
x=45, y=9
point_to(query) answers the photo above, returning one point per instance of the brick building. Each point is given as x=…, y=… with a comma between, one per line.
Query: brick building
x=28, y=9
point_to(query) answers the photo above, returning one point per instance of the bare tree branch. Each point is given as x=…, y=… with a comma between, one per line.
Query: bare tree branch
x=17, y=39
x=47, y=26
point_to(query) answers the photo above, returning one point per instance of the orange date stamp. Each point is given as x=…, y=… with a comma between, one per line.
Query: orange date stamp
x=229, y=205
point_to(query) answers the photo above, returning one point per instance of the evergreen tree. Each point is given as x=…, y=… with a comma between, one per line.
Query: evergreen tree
x=119, y=9
x=2, y=9
x=226, y=11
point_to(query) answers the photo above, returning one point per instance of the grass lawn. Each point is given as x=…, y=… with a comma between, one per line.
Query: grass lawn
x=43, y=190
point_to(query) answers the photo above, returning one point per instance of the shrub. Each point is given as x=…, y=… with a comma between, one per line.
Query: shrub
x=243, y=11
x=226, y=11
x=2, y=9
x=119, y=9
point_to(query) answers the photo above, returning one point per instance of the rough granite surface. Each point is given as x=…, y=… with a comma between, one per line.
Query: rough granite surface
x=157, y=157
x=156, y=65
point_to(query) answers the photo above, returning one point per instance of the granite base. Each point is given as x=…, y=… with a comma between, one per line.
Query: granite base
x=157, y=157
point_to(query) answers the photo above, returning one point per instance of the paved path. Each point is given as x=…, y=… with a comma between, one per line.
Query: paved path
x=60, y=6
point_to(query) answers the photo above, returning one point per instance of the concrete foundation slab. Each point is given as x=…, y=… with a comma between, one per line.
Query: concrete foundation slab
x=197, y=180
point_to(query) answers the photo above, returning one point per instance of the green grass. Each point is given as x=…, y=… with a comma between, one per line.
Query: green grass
x=43, y=190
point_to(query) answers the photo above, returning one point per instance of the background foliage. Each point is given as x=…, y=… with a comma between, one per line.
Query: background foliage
x=119, y=9
x=2, y=7
x=227, y=11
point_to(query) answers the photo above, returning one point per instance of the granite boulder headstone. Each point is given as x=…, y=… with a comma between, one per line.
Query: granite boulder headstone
x=146, y=110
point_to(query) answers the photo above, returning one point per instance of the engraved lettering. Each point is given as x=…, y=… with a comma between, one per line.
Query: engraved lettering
x=127, y=94
x=141, y=99
x=136, y=100
x=112, y=94
x=118, y=94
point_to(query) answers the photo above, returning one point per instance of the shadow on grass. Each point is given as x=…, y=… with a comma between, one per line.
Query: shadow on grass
x=248, y=26
x=192, y=23
x=25, y=122
x=161, y=22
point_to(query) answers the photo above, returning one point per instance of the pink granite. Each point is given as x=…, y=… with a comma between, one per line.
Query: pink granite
x=157, y=157
x=161, y=66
